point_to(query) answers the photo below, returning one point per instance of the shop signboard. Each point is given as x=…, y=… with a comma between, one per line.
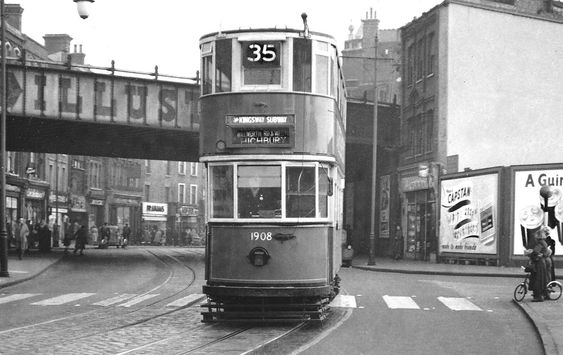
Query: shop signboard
x=530, y=211
x=155, y=209
x=469, y=215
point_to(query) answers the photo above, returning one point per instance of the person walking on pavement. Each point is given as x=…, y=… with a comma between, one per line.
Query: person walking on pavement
x=538, y=277
x=81, y=237
x=22, y=232
x=126, y=233
x=551, y=244
x=398, y=244
x=44, y=237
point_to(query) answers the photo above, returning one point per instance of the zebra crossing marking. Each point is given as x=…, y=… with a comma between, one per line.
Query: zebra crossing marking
x=138, y=299
x=459, y=304
x=344, y=301
x=17, y=297
x=184, y=301
x=117, y=299
x=400, y=302
x=60, y=300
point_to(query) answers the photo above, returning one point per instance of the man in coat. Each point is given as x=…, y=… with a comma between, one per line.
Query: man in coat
x=22, y=232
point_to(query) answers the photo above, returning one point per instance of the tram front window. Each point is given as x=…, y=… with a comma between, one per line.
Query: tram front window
x=300, y=194
x=259, y=191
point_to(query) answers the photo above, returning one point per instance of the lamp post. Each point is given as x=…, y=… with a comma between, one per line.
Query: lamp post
x=3, y=233
x=371, y=258
x=83, y=8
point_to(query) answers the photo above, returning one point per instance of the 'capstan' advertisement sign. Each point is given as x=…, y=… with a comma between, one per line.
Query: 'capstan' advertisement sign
x=468, y=215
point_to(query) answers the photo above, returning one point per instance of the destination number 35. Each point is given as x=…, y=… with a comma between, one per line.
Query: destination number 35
x=262, y=52
x=263, y=236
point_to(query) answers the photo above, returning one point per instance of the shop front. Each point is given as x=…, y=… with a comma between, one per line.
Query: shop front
x=78, y=212
x=125, y=210
x=14, y=198
x=35, y=205
x=419, y=216
x=154, y=219
x=189, y=225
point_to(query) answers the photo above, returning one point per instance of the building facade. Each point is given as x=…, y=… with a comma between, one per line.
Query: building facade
x=471, y=99
x=174, y=200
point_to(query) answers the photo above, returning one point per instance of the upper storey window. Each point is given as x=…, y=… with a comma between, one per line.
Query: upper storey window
x=261, y=62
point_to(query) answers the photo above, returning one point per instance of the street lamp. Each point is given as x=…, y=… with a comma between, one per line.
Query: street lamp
x=83, y=7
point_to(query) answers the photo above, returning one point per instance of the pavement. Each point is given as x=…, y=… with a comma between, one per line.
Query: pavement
x=545, y=316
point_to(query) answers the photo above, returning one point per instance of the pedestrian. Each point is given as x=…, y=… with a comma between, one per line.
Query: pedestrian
x=22, y=233
x=551, y=244
x=56, y=235
x=94, y=234
x=398, y=242
x=44, y=237
x=80, y=238
x=126, y=233
x=538, y=275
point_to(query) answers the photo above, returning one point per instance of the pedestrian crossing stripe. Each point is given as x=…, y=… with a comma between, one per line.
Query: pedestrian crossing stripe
x=344, y=301
x=17, y=297
x=117, y=299
x=138, y=299
x=400, y=302
x=184, y=301
x=459, y=304
x=60, y=300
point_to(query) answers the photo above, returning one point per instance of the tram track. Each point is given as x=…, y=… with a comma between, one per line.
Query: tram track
x=96, y=322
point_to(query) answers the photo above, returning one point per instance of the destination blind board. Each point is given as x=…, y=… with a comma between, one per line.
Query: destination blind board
x=260, y=130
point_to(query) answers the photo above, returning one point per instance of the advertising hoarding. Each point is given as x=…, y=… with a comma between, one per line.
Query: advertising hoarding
x=530, y=212
x=469, y=215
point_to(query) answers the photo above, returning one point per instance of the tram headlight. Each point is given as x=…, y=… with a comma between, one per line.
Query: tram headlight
x=220, y=145
x=258, y=256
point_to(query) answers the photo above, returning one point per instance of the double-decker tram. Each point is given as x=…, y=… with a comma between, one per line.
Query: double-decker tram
x=272, y=135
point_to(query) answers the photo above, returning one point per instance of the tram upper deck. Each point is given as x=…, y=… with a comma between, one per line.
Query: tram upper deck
x=271, y=91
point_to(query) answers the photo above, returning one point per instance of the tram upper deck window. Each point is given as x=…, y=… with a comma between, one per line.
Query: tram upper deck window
x=223, y=60
x=302, y=54
x=206, y=68
x=259, y=191
x=323, y=70
x=261, y=62
x=222, y=191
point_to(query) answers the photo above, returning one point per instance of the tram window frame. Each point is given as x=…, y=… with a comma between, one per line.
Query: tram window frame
x=321, y=68
x=222, y=199
x=302, y=64
x=223, y=65
x=207, y=68
x=298, y=198
x=264, y=65
x=322, y=197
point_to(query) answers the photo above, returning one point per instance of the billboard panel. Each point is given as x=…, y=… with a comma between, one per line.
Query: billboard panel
x=469, y=215
x=530, y=211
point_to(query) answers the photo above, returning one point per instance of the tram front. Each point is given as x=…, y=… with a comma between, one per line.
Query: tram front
x=272, y=135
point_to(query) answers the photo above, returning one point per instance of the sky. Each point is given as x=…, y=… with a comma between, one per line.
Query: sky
x=139, y=34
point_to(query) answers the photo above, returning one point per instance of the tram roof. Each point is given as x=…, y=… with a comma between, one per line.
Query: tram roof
x=270, y=30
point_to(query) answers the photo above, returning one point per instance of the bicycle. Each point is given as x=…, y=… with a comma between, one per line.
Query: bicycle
x=554, y=288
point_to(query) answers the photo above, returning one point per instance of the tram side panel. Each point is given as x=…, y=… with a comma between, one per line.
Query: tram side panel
x=270, y=255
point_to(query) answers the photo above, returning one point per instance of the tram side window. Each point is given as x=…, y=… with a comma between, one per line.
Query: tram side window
x=322, y=72
x=325, y=190
x=222, y=190
x=223, y=58
x=259, y=191
x=302, y=64
x=206, y=68
x=300, y=194
x=261, y=62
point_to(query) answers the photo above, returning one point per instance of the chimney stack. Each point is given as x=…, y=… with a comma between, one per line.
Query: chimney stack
x=14, y=15
x=55, y=43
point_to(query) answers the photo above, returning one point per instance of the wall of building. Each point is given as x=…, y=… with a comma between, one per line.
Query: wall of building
x=502, y=100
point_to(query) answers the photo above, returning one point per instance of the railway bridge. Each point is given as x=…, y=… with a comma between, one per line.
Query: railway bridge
x=86, y=111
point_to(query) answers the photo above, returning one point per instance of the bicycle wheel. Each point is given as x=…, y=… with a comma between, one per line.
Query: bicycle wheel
x=554, y=290
x=520, y=291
